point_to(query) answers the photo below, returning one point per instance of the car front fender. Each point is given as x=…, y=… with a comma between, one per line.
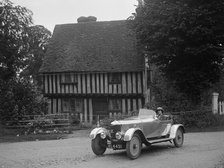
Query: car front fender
x=129, y=133
x=174, y=129
x=96, y=131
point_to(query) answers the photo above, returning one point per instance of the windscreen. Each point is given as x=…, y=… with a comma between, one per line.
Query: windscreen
x=146, y=112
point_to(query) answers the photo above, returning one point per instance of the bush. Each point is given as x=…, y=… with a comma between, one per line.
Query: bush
x=199, y=119
x=19, y=98
x=166, y=95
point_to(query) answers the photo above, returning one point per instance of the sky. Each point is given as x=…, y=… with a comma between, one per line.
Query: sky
x=51, y=12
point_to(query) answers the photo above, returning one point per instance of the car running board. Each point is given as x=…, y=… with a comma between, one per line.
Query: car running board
x=159, y=140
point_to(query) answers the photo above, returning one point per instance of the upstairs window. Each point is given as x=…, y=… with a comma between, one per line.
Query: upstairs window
x=114, y=78
x=69, y=79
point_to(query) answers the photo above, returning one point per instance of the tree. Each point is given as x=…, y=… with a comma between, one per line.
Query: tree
x=185, y=39
x=39, y=38
x=19, y=97
x=22, y=47
x=22, y=44
x=14, y=25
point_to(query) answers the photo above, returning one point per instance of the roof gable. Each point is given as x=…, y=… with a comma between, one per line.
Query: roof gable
x=92, y=46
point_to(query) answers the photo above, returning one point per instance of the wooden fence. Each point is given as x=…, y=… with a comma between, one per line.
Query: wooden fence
x=49, y=120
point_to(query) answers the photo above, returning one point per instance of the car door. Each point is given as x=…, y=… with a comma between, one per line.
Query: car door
x=165, y=126
x=156, y=127
x=151, y=128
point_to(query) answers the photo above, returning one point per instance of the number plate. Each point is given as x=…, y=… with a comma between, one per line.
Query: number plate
x=109, y=144
x=117, y=146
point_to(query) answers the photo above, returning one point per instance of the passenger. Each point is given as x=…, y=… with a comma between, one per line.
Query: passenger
x=159, y=112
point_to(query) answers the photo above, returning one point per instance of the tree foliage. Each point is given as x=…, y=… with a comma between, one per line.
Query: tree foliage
x=22, y=44
x=39, y=38
x=22, y=47
x=19, y=97
x=14, y=25
x=185, y=38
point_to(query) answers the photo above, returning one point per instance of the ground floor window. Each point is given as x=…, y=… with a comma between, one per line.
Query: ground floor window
x=115, y=105
x=72, y=105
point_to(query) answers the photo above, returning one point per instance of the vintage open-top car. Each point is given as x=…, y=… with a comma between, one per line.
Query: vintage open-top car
x=130, y=133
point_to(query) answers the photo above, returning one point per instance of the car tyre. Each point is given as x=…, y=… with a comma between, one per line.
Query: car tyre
x=99, y=145
x=179, y=138
x=134, y=147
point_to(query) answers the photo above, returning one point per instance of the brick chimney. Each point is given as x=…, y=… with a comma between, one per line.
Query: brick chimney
x=86, y=19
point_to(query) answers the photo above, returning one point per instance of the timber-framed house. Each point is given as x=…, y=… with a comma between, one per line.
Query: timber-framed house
x=93, y=69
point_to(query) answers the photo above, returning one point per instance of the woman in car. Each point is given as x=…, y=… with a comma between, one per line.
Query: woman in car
x=159, y=112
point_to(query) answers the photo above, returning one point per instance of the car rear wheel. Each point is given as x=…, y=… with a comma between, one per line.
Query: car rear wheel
x=99, y=145
x=179, y=138
x=134, y=147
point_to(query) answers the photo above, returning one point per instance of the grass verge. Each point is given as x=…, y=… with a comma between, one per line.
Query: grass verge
x=17, y=135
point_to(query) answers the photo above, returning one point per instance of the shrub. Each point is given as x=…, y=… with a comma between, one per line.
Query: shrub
x=199, y=119
x=19, y=98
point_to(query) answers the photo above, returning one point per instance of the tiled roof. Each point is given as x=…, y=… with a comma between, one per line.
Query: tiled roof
x=92, y=47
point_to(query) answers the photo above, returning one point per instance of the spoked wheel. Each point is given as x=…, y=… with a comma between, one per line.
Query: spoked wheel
x=179, y=139
x=134, y=147
x=99, y=145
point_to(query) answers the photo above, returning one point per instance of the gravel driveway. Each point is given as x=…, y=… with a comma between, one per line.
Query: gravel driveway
x=199, y=150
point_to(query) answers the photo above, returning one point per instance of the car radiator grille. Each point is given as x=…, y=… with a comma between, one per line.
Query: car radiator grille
x=113, y=129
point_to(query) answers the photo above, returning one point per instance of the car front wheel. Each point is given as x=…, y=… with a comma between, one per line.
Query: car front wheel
x=134, y=147
x=99, y=145
x=179, y=139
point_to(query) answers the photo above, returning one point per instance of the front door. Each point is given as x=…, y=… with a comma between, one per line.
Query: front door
x=100, y=108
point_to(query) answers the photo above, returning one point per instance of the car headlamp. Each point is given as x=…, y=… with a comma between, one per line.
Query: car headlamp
x=92, y=136
x=118, y=135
